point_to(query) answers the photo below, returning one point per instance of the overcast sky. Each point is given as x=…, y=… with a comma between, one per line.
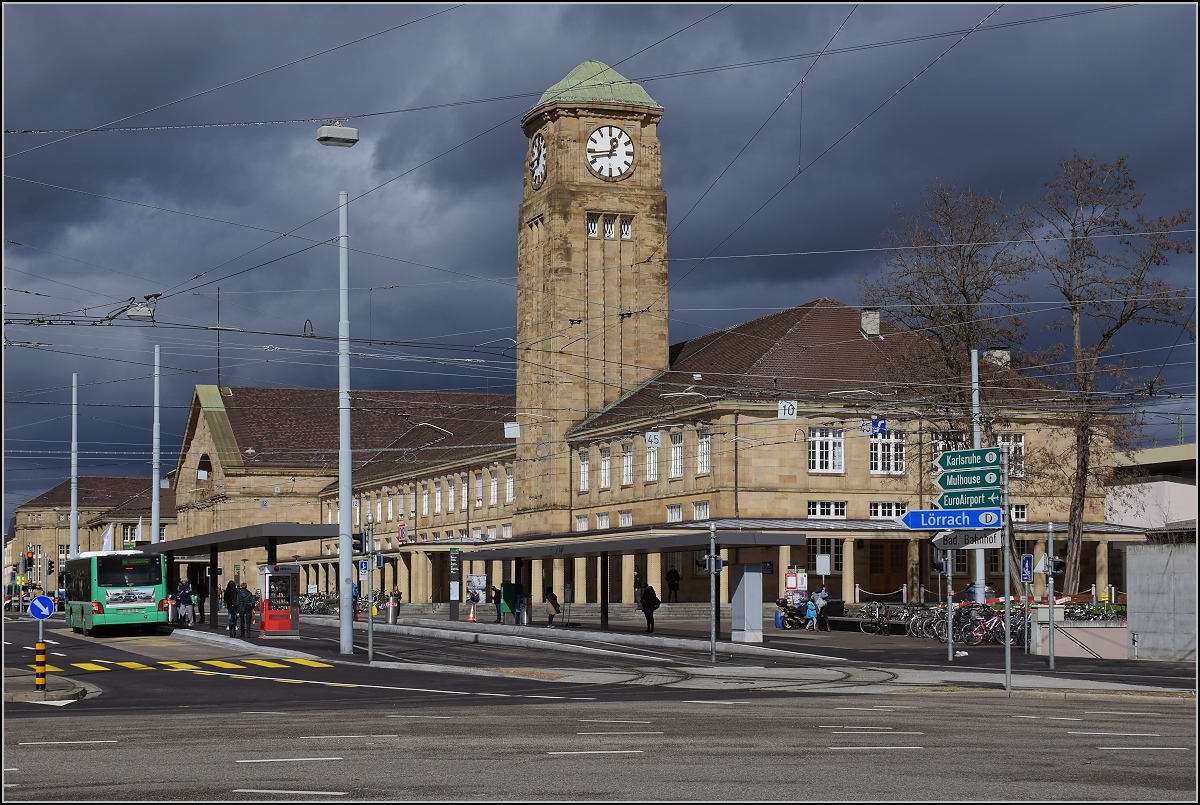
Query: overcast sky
x=899, y=100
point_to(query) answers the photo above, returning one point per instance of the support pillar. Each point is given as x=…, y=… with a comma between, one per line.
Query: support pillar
x=625, y=594
x=783, y=560
x=848, y=580
x=914, y=567
x=579, y=590
x=1039, y=579
x=723, y=587
x=654, y=573
x=1102, y=567
x=558, y=578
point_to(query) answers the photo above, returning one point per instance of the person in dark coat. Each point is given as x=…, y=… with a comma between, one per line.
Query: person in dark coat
x=496, y=598
x=243, y=605
x=229, y=597
x=650, y=603
x=673, y=585
x=201, y=598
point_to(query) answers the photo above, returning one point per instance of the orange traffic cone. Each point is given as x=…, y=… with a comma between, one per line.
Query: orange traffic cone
x=471, y=615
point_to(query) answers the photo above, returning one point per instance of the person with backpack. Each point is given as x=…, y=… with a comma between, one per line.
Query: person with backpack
x=243, y=606
x=229, y=597
x=810, y=614
x=650, y=603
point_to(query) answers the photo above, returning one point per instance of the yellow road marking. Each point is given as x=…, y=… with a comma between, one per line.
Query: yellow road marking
x=293, y=681
x=175, y=665
x=266, y=663
x=136, y=666
x=309, y=663
x=241, y=676
x=48, y=667
x=91, y=666
x=222, y=664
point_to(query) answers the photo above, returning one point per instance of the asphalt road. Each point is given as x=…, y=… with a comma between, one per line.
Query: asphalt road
x=218, y=720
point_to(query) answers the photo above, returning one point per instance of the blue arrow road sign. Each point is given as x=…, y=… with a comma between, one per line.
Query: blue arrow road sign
x=41, y=607
x=1026, y=568
x=938, y=520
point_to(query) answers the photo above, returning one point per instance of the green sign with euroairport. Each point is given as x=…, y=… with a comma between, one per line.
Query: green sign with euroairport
x=970, y=499
x=969, y=479
x=969, y=459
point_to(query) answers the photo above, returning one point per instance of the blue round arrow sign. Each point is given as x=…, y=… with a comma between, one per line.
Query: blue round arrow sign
x=41, y=607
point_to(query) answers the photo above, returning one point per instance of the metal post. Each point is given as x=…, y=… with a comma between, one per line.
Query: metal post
x=1007, y=597
x=976, y=438
x=155, y=516
x=1050, y=587
x=712, y=593
x=949, y=606
x=345, y=469
x=370, y=533
x=74, y=465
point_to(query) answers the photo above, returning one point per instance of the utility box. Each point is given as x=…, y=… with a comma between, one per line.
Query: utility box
x=745, y=583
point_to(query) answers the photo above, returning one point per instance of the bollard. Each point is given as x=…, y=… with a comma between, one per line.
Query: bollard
x=39, y=666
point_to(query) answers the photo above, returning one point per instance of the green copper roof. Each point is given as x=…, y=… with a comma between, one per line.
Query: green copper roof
x=593, y=82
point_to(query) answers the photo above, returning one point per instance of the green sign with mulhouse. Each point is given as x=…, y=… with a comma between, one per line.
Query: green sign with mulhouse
x=969, y=479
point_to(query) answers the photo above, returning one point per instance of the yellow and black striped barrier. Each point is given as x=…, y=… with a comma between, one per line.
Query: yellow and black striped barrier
x=39, y=666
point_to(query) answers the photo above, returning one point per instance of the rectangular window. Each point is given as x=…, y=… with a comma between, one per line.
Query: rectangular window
x=827, y=509
x=887, y=452
x=476, y=533
x=825, y=450
x=827, y=546
x=391, y=503
x=602, y=520
x=677, y=454
x=703, y=450
x=651, y=462
x=583, y=472
x=593, y=226
x=1019, y=512
x=412, y=503
x=491, y=532
x=508, y=485
x=329, y=514
x=424, y=501
x=479, y=490
x=506, y=530
x=944, y=441
x=674, y=512
x=1015, y=442
x=960, y=561
x=610, y=227
x=437, y=535
x=700, y=510
x=464, y=493
x=605, y=468
x=437, y=497
x=357, y=516
x=493, y=488
x=581, y=522
x=626, y=228
x=625, y=518
x=626, y=464
x=887, y=510
x=379, y=509
x=450, y=494
x=994, y=560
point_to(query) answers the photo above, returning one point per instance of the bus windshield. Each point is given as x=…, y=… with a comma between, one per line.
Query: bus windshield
x=124, y=571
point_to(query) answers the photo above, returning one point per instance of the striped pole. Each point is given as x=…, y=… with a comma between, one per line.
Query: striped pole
x=39, y=665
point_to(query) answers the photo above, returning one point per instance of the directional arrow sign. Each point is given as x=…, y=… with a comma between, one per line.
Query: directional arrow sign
x=970, y=499
x=969, y=459
x=969, y=479
x=958, y=540
x=41, y=607
x=938, y=520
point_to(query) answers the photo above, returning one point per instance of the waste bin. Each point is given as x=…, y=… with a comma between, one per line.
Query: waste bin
x=393, y=609
x=778, y=620
x=523, y=615
x=834, y=608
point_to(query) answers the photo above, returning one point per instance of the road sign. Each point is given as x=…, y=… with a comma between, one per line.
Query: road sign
x=402, y=533
x=1026, y=568
x=954, y=480
x=958, y=540
x=939, y=520
x=41, y=607
x=364, y=565
x=969, y=459
x=970, y=499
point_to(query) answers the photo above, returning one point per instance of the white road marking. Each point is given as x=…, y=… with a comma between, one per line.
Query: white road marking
x=865, y=732
x=876, y=747
x=420, y=716
x=850, y=727
x=646, y=732
x=316, y=737
x=1062, y=718
x=713, y=701
x=869, y=709
x=601, y=752
x=58, y=743
x=1119, y=734
x=1156, y=748
x=611, y=721
x=287, y=760
x=285, y=791
x=263, y=712
x=1116, y=713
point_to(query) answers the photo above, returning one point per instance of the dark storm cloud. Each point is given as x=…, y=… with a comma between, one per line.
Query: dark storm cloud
x=994, y=114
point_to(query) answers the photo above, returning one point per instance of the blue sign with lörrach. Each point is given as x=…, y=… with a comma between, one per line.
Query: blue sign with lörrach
x=938, y=519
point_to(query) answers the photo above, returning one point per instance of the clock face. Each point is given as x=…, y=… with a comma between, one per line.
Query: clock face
x=609, y=153
x=537, y=161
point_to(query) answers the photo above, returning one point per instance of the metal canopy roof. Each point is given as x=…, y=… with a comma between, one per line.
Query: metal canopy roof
x=691, y=539
x=254, y=536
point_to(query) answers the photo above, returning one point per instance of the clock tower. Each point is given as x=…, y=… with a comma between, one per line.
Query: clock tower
x=591, y=274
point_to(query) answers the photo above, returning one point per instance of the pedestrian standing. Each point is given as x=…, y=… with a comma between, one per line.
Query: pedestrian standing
x=820, y=599
x=229, y=597
x=496, y=599
x=243, y=605
x=354, y=598
x=650, y=603
x=552, y=607
x=637, y=588
x=673, y=585
x=183, y=603
x=201, y=598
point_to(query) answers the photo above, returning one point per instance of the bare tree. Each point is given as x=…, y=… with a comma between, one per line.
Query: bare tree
x=1101, y=255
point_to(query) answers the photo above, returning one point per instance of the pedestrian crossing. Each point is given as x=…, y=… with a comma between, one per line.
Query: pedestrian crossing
x=196, y=665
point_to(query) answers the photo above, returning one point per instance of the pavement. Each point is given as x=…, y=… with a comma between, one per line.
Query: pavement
x=844, y=645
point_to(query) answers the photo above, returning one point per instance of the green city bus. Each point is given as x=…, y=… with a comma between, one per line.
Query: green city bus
x=116, y=588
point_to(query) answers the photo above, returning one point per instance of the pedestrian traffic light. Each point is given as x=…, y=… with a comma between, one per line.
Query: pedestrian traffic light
x=1058, y=566
x=702, y=564
x=938, y=561
x=358, y=544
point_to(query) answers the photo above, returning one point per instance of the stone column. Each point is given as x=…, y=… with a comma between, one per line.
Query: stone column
x=654, y=573
x=1102, y=568
x=914, y=568
x=625, y=593
x=723, y=587
x=558, y=576
x=537, y=586
x=782, y=560
x=847, y=571
x=579, y=588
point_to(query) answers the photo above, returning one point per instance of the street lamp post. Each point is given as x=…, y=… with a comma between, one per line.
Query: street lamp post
x=338, y=135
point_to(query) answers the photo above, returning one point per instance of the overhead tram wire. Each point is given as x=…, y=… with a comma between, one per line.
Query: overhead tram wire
x=515, y=96
x=238, y=81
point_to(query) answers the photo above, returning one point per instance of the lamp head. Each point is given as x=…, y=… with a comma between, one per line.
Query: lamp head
x=337, y=134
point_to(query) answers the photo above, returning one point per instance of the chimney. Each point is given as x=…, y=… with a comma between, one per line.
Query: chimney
x=997, y=356
x=870, y=324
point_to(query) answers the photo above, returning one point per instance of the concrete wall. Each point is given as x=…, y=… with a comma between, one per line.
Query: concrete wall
x=1162, y=601
x=1150, y=505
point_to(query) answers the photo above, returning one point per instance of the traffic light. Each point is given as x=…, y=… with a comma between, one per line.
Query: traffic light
x=702, y=564
x=29, y=556
x=49, y=567
x=710, y=564
x=938, y=561
x=1058, y=566
x=358, y=545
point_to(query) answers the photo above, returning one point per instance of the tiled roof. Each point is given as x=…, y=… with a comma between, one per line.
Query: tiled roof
x=814, y=353
x=105, y=492
x=391, y=431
